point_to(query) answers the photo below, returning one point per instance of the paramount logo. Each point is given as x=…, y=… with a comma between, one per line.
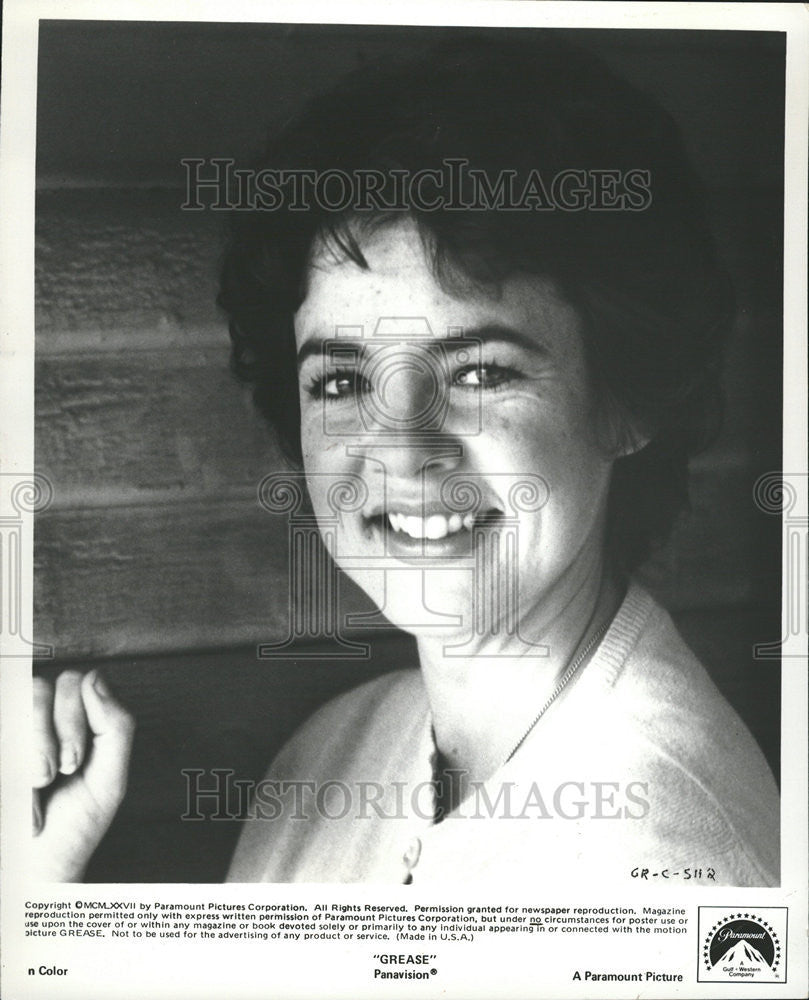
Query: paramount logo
x=742, y=945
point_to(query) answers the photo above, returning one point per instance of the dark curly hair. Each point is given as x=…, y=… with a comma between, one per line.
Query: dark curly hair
x=653, y=301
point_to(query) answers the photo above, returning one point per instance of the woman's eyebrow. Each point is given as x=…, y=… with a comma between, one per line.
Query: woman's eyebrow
x=502, y=334
x=457, y=336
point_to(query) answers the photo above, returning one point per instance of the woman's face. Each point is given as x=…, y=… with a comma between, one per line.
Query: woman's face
x=407, y=391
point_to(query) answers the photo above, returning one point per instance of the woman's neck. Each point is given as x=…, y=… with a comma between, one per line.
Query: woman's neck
x=483, y=702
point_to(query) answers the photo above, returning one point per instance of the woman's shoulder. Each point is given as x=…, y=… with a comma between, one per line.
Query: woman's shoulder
x=686, y=740
x=374, y=701
x=672, y=701
x=357, y=725
x=353, y=746
x=649, y=665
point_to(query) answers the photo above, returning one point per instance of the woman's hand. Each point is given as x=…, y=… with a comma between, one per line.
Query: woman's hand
x=82, y=743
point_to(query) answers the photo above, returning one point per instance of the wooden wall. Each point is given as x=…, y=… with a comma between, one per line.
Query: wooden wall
x=155, y=558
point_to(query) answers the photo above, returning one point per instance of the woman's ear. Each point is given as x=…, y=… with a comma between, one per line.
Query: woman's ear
x=631, y=439
x=622, y=434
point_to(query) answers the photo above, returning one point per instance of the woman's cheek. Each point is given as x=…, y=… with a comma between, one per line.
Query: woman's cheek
x=313, y=445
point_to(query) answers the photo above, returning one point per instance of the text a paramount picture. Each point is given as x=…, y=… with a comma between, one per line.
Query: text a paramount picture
x=403, y=500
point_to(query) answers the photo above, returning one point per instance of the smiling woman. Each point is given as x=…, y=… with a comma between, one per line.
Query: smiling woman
x=572, y=353
x=512, y=386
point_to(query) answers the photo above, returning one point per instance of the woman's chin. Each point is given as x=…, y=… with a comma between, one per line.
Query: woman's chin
x=423, y=612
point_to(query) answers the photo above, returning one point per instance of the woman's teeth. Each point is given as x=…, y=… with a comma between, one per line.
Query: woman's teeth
x=432, y=527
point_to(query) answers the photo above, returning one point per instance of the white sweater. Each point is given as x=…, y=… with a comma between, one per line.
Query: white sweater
x=641, y=763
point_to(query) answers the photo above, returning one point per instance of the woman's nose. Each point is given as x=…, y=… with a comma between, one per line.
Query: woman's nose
x=409, y=460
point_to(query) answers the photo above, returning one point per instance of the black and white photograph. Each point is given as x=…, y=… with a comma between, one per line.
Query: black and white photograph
x=410, y=567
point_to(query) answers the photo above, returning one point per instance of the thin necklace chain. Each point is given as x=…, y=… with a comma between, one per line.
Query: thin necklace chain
x=563, y=682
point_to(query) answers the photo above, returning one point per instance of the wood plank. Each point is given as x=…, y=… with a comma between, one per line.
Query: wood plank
x=112, y=262
x=103, y=116
x=162, y=578
x=118, y=428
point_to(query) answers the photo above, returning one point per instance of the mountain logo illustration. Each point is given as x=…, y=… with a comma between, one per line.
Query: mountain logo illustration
x=742, y=942
x=743, y=953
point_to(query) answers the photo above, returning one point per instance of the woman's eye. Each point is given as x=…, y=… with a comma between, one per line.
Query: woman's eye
x=338, y=385
x=490, y=376
x=348, y=383
x=342, y=385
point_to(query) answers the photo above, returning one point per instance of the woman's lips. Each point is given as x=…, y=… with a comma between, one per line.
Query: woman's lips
x=434, y=526
x=436, y=534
